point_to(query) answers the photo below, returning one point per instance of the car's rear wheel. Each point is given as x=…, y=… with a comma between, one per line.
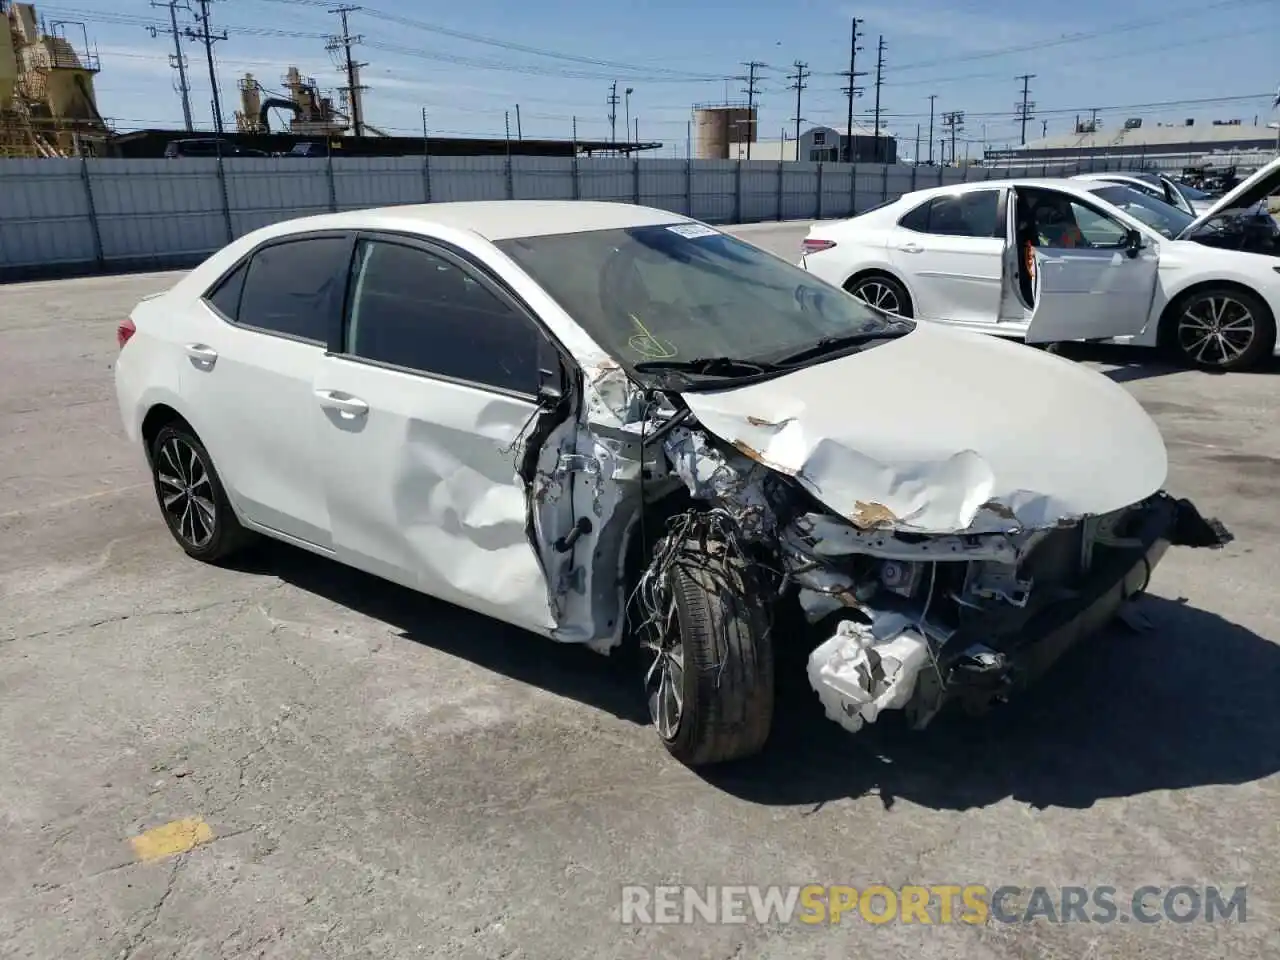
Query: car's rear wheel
x=882, y=292
x=709, y=659
x=1222, y=328
x=191, y=497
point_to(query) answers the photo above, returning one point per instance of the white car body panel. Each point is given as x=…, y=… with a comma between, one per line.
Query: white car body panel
x=1092, y=294
x=422, y=489
x=864, y=243
x=986, y=461
x=277, y=456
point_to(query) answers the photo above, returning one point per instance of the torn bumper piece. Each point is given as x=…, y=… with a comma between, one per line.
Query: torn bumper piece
x=892, y=664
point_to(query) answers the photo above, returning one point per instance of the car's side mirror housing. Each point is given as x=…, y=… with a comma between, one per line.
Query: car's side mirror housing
x=549, y=392
x=1132, y=243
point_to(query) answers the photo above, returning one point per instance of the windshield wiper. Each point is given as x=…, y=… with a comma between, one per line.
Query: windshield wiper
x=828, y=345
x=708, y=366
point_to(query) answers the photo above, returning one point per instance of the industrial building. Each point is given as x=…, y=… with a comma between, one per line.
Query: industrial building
x=728, y=131
x=828, y=145
x=1138, y=143
x=47, y=103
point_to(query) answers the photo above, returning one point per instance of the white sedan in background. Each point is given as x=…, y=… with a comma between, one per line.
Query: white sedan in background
x=1187, y=199
x=1052, y=260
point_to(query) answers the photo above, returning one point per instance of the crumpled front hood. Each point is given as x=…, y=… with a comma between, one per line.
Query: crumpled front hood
x=943, y=431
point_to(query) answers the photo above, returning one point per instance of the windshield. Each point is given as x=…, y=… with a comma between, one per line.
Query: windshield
x=667, y=294
x=1191, y=193
x=1164, y=218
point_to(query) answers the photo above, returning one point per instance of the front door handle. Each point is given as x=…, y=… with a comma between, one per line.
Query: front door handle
x=911, y=248
x=203, y=354
x=344, y=403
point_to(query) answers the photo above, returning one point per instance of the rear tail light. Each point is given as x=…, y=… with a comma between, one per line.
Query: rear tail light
x=814, y=245
x=124, y=332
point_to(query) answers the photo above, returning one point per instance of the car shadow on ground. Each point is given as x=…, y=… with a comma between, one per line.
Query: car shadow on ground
x=1190, y=701
x=1142, y=363
x=1193, y=700
x=566, y=669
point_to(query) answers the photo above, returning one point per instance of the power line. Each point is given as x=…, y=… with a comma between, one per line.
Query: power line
x=852, y=90
x=1108, y=31
x=208, y=38
x=798, y=86
x=507, y=44
x=178, y=59
x=1023, y=109
x=879, y=84
x=344, y=44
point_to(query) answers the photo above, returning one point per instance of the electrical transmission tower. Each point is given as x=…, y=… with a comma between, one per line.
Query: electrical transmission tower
x=954, y=122
x=342, y=45
x=879, y=83
x=750, y=90
x=1025, y=109
x=802, y=71
x=178, y=59
x=613, y=102
x=852, y=90
x=207, y=37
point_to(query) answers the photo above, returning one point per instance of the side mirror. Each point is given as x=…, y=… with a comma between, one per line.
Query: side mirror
x=549, y=393
x=1132, y=243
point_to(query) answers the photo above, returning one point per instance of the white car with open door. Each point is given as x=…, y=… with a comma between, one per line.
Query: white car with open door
x=1050, y=260
x=605, y=423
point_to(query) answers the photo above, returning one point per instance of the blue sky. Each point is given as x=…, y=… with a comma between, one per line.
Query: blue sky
x=1126, y=58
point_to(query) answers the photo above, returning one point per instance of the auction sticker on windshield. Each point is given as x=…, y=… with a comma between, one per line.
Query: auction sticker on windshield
x=692, y=231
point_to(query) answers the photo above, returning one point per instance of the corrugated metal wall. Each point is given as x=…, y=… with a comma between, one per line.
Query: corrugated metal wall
x=158, y=212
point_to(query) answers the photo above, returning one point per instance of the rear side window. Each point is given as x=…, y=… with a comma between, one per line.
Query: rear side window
x=972, y=214
x=917, y=219
x=226, y=295
x=295, y=288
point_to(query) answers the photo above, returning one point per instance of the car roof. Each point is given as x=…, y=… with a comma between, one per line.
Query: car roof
x=1047, y=183
x=493, y=219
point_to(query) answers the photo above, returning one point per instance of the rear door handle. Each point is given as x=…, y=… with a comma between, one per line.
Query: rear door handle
x=1053, y=259
x=911, y=248
x=202, y=353
x=344, y=403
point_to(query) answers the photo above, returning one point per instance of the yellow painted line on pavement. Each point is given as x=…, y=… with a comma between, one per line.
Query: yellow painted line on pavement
x=171, y=838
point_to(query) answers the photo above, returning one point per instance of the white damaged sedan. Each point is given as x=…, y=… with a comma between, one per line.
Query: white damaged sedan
x=615, y=426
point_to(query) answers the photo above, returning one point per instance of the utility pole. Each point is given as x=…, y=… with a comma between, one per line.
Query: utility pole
x=799, y=85
x=1093, y=120
x=626, y=125
x=1044, y=128
x=519, y=130
x=177, y=60
x=932, y=98
x=1025, y=108
x=852, y=90
x=879, y=83
x=344, y=44
x=953, y=121
x=750, y=90
x=916, y=156
x=613, y=115
x=208, y=38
